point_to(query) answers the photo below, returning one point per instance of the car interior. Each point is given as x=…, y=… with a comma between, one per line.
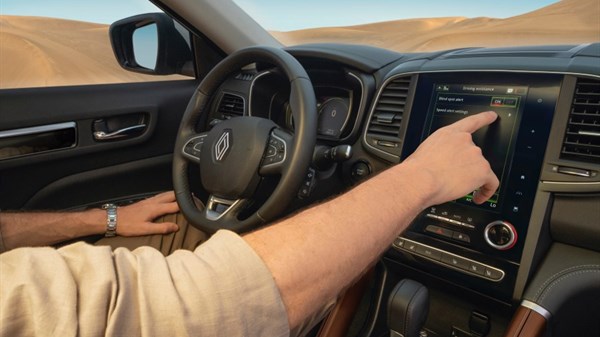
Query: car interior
x=291, y=126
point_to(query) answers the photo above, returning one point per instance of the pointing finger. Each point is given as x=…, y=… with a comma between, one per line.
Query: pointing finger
x=475, y=122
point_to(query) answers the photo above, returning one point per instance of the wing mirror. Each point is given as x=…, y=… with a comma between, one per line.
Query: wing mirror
x=152, y=44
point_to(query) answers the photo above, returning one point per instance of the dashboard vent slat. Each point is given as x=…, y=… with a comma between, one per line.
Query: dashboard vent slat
x=383, y=131
x=582, y=138
x=231, y=105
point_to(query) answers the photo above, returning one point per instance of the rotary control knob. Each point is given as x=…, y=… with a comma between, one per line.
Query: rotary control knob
x=500, y=235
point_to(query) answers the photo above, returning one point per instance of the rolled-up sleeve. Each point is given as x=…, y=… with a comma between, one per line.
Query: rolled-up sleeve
x=223, y=288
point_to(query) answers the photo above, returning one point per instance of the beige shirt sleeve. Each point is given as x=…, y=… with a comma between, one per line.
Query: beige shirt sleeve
x=221, y=289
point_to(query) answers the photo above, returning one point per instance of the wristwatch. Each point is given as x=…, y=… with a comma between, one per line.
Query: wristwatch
x=111, y=220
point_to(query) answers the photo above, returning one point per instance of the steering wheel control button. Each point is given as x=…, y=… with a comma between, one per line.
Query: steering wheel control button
x=500, y=235
x=275, y=153
x=308, y=184
x=193, y=148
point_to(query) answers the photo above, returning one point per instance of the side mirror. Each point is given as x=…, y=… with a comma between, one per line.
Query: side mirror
x=152, y=44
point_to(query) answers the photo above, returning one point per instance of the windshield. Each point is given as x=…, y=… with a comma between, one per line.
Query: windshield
x=409, y=26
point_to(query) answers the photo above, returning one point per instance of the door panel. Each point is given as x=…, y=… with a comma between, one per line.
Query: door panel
x=92, y=170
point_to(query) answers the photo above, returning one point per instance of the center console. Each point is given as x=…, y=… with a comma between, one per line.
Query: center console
x=480, y=246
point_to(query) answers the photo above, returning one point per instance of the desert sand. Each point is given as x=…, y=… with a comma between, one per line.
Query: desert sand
x=38, y=51
x=565, y=22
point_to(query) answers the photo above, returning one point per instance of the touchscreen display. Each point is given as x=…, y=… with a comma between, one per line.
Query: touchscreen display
x=452, y=102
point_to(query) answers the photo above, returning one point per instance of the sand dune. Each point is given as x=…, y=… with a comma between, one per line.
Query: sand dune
x=565, y=22
x=47, y=52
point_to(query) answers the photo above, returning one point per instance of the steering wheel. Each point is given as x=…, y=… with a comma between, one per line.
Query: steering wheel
x=237, y=153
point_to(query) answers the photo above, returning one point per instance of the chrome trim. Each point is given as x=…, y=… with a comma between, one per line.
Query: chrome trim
x=37, y=129
x=537, y=308
x=213, y=201
x=447, y=265
x=450, y=221
x=506, y=246
x=575, y=172
x=101, y=135
x=252, y=88
x=492, y=71
x=589, y=133
x=571, y=183
x=376, y=101
x=189, y=156
x=379, y=299
x=361, y=104
x=222, y=145
x=557, y=186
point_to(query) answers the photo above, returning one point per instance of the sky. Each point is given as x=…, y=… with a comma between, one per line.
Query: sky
x=285, y=15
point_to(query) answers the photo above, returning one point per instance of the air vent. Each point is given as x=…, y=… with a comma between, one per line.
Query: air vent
x=244, y=76
x=231, y=106
x=582, y=139
x=383, y=132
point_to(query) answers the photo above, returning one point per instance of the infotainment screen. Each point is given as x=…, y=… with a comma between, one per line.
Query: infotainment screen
x=515, y=146
x=452, y=102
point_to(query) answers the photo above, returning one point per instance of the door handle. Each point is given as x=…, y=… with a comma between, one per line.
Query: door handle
x=120, y=127
x=121, y=133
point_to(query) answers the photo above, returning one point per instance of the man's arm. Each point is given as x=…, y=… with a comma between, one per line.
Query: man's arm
x=318, y=252
x=46, y=228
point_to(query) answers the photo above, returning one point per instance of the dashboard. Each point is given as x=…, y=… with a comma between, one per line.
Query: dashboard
x=544, y=148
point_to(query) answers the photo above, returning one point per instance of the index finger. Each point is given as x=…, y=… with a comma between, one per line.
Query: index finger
x=475, y=122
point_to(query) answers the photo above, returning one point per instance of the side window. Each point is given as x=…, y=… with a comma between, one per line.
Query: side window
x=66, y=42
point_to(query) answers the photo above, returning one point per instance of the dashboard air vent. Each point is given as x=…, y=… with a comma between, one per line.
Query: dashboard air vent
x=383, y=132
x=582, y=139
x=231, y=106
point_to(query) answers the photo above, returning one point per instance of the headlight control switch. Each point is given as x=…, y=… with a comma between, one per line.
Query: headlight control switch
x=500, y=235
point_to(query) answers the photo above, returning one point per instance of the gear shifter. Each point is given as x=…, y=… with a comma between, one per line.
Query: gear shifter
x=407, y=309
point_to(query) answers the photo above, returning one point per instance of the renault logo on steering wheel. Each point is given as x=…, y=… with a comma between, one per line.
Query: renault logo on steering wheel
x=223, y=144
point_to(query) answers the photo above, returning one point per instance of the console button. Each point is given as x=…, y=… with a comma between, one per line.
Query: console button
x=439, y=231
x=429, y=252
x=461, y=237
x=399, y=242
x=360, y=170
x=411, y=246
x=455, y=261
x=493, y=274
x=476, y=268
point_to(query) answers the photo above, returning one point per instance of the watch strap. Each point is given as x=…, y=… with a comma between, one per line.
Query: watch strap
x=111, y=220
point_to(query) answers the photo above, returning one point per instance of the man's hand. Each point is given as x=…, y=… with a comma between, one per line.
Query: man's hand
x=455, y=163
x=136, y=219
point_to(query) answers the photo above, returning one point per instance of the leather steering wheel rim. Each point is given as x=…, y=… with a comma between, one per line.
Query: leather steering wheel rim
x=303, y=105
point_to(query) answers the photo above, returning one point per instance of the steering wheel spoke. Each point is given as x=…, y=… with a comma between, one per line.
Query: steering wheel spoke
x=218, y=208
x=276, y=153
x=192, y=148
